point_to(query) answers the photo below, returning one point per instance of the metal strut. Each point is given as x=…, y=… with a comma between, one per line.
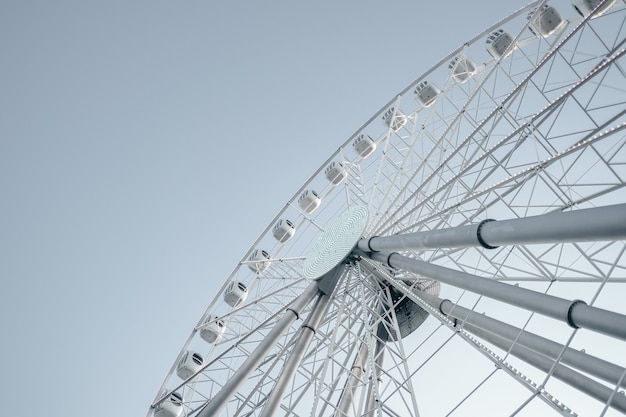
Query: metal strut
x=300, y=347
x=372, y=403
x=569, y=376
x=219, y=401
x=580, y=360
x=322, y=289
x=354, y=380
x=576, y=313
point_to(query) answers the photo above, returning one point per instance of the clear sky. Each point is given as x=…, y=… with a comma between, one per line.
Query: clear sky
x=145, y=144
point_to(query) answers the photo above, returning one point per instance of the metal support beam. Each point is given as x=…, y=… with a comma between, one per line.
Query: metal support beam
x=300, y=347
x=580, y=360
x=569, y=376
x=354, y=380
x=585, y=225
x=371, y=406
x=576, y=313
x=219, y=401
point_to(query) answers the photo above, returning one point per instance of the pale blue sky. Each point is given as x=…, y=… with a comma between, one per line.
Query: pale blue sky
x=145, y=144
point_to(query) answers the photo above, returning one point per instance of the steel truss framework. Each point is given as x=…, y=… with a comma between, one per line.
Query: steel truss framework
x=525, y=313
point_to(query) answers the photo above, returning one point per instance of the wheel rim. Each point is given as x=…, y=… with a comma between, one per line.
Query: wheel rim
x=501, y=144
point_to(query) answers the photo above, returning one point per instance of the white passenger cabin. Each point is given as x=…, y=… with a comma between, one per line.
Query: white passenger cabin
x=498, y=43
x=308, y=201
x=212, y=329
x=426, y=93
x=545, y=22
x=172, y=406
x=283, y=230
x=190, y=363
x=462, y=68
x=585, y=7
x=364, y=145
x=335, y=173
x=259, y=261
x=235, y=293
x=394, y=119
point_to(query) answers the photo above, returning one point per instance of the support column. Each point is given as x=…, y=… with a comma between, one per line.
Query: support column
x=569, y=376
x=585, y=225
x=355, y=378
x=576, y=313
x=218, y=402
x=300, y=347
x=587, y=363
x=371, y=403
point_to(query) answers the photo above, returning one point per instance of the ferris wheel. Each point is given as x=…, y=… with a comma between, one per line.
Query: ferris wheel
x=462, y=253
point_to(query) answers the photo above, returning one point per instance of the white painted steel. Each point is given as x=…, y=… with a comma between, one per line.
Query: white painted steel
x=541, y=129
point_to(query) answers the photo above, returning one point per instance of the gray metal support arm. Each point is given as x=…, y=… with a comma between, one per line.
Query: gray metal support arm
x=569, y=376
x=580, y=360
x=291, y=365
x=575, y=313
x=355, y=378
x=371, y=405
x=585, y=225
x=219, y=401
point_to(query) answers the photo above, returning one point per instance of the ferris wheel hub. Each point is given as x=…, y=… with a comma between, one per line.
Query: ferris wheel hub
x=336, y=242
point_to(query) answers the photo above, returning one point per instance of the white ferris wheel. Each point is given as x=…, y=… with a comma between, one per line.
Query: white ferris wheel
x=462, y=253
